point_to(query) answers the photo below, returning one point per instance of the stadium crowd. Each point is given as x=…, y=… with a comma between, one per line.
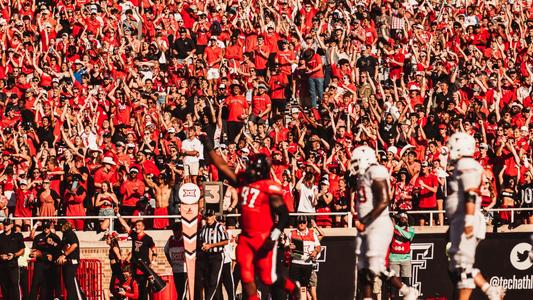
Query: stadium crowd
x=103, y=101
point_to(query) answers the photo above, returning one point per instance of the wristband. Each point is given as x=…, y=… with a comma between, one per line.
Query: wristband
x=274, y=235
x=469, y=220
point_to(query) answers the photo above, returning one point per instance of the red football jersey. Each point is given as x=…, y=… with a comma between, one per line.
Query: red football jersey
x=256, y=217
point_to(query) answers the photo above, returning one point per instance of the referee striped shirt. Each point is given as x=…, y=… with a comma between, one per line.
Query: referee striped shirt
x=213, y=234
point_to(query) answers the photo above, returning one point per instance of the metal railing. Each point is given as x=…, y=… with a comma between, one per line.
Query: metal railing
x=112, y=219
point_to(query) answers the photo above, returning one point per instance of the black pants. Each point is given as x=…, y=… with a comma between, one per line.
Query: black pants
x=227, y=282
x=24, y=288
x=180, y=282
x=142, y=282
x=72, y=285
x=213, y=272
x=301, y=273
x=9, y=280
x=44, y=281
x=234, y=128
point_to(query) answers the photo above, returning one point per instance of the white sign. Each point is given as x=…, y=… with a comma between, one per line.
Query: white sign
x=519, y=256
x=189, y=193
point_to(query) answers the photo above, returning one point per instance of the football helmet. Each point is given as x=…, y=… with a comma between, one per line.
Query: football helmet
x=461, y=144
x=362, y=158
x=258, y=168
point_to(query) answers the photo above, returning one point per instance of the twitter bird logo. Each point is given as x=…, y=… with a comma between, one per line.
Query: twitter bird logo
x=519, y=256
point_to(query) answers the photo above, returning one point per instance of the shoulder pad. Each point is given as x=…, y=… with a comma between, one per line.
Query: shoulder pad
x=375, y=172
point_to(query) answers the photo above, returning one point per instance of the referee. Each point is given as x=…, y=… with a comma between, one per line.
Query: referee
x=213, y=237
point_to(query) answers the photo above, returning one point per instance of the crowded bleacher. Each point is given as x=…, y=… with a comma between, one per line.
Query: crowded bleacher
x=103, y=102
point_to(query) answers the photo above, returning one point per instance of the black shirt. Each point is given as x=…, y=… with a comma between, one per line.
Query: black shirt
x=11, y=243
x=367, y=64
x=70, y=238
x=46, y=134
x=183, y=46
x=140, y=246
x=47, y=244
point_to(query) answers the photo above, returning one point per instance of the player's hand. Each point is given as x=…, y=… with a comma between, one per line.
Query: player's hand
x=469, y=231
x=268, y=245
x=360, y=226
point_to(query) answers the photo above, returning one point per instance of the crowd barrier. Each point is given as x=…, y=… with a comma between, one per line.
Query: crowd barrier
x=431, y=213
x=89, y=275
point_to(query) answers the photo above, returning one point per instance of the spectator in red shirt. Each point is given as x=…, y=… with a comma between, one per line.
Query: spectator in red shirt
x=132, y=188
x=278, y=88
x=315, y=75
x=426, y=185
x=238, y=111
x=261, y=107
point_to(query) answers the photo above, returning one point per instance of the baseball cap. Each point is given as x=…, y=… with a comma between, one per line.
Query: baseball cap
x=134, y=170
x=424, y=164
x=46, y=224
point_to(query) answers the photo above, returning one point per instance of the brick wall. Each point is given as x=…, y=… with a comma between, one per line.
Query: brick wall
x=160, y=266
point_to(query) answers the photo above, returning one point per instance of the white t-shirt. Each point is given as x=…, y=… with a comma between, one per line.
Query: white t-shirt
x=306, y=198
x=192, y=145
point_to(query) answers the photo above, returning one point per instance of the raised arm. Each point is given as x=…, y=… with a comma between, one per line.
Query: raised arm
x=218, y=161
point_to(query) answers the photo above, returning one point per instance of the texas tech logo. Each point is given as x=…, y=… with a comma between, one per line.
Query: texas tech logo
x=420, y=253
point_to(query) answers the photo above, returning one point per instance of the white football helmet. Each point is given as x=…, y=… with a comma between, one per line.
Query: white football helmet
x=362, y=158
x=461, y=144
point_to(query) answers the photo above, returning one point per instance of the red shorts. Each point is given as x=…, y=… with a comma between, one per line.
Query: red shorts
x=251, y=259
x=161, y=223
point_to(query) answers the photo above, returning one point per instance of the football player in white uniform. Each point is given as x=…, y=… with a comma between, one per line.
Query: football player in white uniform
x=374, y=224
x=467, y=224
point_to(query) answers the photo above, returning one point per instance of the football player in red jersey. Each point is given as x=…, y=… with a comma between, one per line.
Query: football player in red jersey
x=263, y=218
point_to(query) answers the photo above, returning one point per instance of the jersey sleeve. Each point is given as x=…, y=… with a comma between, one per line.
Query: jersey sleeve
x=470, y=174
